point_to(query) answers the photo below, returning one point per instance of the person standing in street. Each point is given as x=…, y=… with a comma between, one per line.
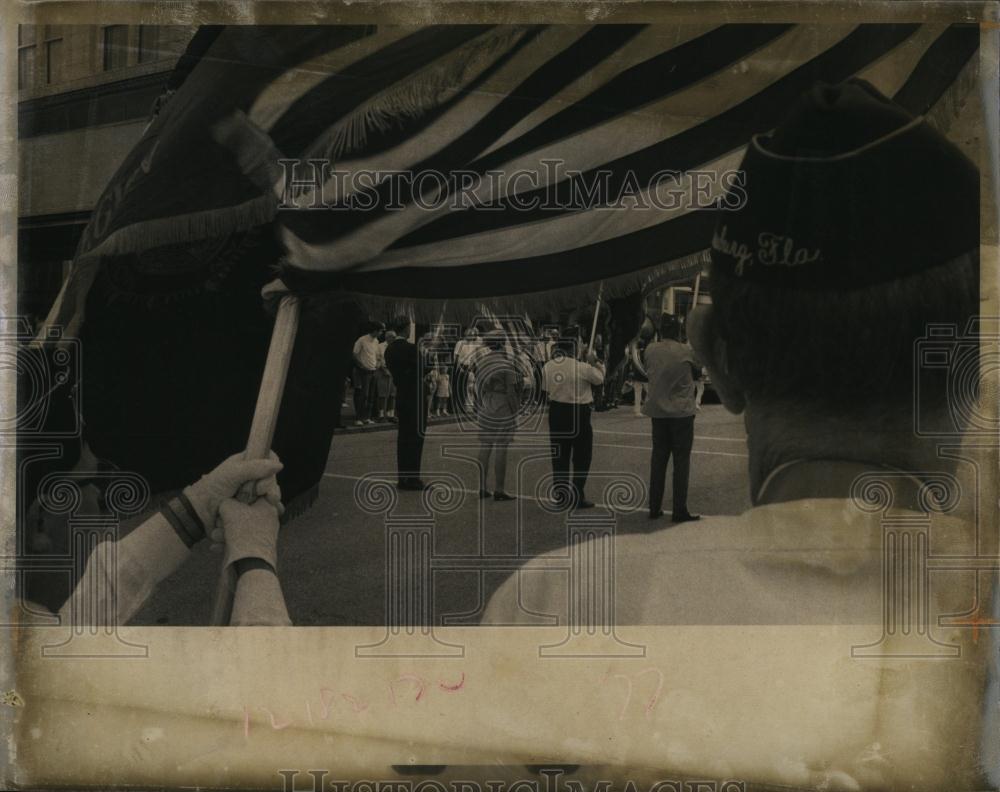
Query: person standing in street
x=402, y=358
x=569, y=383
x=442, y=392
x=498, y=398
x=385, y=391
x=539, y=352
x=466, y=349
x=672, y=369
x=366, y=360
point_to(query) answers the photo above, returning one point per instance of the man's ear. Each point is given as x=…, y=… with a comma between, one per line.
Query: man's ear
x=713, y=353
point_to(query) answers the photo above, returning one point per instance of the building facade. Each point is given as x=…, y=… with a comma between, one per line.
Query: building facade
x=85, y=93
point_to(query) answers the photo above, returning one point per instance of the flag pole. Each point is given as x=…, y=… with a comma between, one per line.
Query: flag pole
x=593, y=326
x=265, y=419
x=439, y=327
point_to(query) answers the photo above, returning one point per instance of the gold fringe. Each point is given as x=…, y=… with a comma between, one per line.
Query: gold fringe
x=67, y=312
x=423, y=90
x=300, y=504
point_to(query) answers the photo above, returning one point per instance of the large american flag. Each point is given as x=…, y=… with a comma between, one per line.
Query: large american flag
x=616, y=106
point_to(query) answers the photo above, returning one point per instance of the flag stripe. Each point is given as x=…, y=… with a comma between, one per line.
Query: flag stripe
x=703, y=142
x=938, y=68
x=514, y=104
x=646, y=82
x=558, y=72
x=612, y=258
x=332, y=99
x=942, y=54
x=667, y=200
x=602, y=223
x=287, y=88
x=630, y=133
x=461, y=115
x=648, y=43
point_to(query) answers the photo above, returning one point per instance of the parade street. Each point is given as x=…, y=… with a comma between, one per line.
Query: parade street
x=338, y=547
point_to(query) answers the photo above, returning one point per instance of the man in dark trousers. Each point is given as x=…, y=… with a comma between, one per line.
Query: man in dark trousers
x=403, y=361
x=569, y=383
x=672, y=369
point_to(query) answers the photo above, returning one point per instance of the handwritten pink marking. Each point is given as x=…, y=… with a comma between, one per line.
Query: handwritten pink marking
x=277, y=726
x=246, y=722
x=407, y=678
x=326, y=698
x=356, y=705
x=452, y=688
x=659, y=689
x=651, y=703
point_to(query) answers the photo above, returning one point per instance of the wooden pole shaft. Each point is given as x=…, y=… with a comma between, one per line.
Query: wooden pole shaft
x=272, y=385
x=265, y=419
x=593, y=326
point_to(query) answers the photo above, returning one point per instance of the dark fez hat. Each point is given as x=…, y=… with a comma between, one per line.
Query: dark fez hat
x=849, y=191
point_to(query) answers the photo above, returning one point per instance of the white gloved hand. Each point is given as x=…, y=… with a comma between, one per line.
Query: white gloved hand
x=251, y=531
x=258, y=475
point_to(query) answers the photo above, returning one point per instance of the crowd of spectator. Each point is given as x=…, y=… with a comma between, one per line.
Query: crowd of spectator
x=449, y=371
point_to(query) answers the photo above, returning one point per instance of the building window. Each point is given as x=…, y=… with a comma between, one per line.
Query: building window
x=149, y=43
x=53, y=56
x=25, y=56
x=115, y=47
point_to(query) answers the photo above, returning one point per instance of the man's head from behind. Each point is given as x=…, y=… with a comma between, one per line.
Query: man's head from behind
x=401, y=326
x=859, y=229
x=670, y=327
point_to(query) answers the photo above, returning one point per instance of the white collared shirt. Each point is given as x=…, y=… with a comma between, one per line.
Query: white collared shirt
x=366, y=352
x=569, y=381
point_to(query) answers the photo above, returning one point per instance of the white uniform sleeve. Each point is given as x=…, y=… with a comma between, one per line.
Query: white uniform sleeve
x=593, y=374
x=547, y=377
x=121, y=575
x=259, y=601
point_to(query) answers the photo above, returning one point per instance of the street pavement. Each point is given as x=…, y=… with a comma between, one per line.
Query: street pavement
x=333, y=559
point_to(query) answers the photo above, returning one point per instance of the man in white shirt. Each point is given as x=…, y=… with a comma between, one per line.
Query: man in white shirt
x=569, y=384
x=672, y=368
x=366, y=361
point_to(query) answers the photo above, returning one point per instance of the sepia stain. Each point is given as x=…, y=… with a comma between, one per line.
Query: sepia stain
x=10, y=698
